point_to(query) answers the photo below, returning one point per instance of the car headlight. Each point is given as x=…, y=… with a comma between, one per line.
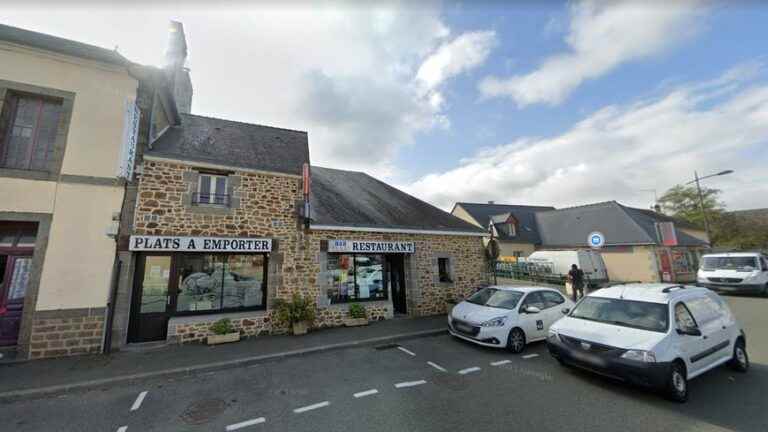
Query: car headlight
x=640, y=355
x=495, y=322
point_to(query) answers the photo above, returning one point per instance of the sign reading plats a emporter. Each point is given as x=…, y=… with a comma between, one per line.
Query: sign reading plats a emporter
x=199, y=244
x=356, y=246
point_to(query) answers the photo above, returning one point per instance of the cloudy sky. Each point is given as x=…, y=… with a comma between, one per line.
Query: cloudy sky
x=556, y=103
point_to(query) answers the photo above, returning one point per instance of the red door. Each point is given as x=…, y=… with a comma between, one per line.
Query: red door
x=14, y=278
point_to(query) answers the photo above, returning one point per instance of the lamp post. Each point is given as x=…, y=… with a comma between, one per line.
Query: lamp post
x=696, y=180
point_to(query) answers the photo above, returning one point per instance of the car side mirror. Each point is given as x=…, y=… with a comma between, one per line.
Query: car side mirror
x=532, y=310
x=690, y=331
x=565, y=311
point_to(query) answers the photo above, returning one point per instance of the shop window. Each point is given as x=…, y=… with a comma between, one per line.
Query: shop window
x=444, y=270
x=28, y=128
x=356, y=278
x=211, y=190
x=209, y=283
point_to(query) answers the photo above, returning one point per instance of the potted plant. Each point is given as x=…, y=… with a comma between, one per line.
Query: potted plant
x=357, y=316
x=298, y=313
x=223, y=332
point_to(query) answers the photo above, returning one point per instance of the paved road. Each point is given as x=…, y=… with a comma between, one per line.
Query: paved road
x=431, y=384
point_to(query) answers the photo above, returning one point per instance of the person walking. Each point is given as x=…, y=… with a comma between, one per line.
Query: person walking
x=576, y=278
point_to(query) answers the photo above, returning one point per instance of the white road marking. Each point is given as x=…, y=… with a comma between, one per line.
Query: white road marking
x=500, y=362
x=527, y=356
x=137, y=403
x=410, y=383
x=437, y=366
x=469, y=370
x=311, y=407
x=406, y=351
x=122, y=429
x=365, y=393
x=246, y=423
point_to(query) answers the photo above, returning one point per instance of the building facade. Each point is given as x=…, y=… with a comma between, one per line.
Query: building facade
x=66, y=109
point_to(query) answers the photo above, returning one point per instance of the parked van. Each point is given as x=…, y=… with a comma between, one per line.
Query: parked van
x=743, y=272
x=560, y=261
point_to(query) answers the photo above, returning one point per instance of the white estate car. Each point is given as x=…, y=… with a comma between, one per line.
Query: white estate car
x=655, y=335
x=507, y=317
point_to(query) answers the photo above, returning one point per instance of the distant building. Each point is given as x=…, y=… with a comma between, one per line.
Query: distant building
x=513, y=226
x=634, y=249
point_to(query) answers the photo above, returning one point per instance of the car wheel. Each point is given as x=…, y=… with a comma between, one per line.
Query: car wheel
x=740, y=360
x=516, y=341
x=677, y=387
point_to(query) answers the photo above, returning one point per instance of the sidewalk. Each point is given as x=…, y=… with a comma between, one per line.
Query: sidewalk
x=53, y=376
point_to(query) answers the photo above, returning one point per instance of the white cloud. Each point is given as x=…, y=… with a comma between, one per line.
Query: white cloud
x=345, y=74
x=602, y=36
x=620, y=150
x=459, y=55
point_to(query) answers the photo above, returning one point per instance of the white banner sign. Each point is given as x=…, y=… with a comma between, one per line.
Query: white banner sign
x=199, y=244
x=130, y=136
x=356, y=246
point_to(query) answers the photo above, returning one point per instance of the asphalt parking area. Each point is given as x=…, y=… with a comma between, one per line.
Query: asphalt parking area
x=428, y=384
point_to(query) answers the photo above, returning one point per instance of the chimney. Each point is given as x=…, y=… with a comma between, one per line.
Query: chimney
x=657, y=208
x=491, y=202
x=175, y=67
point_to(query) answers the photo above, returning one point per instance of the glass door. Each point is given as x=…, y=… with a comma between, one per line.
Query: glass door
x=151, y=299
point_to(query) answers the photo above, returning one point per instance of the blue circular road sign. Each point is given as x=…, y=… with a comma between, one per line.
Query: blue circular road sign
x=596, y=239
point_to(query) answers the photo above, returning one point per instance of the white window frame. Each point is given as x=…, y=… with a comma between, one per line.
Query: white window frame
x=212, y=189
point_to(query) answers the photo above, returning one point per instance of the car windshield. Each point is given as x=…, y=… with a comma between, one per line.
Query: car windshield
x=494, y=297
x=742, y=263
x=627, y=313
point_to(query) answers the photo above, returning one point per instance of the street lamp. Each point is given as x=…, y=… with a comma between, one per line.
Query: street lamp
x=696, y=180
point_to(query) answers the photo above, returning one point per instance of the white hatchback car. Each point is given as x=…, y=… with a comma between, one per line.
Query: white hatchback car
x=654, y=335
x=508, y=317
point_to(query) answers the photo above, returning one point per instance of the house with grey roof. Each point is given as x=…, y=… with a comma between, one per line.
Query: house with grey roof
x=636, y=248
x=513, y=226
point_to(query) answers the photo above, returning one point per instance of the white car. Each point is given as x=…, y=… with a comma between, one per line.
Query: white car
x=741, y=272
x=507, y=317
x=654, y=335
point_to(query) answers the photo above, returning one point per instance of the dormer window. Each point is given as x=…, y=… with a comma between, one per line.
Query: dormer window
x=211, y=190
x=512, y=229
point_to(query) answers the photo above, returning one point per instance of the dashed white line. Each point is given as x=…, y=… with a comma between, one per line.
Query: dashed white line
x=246, y=423
x=122, y=429
x=410, y=384
x=137, y=403
x=406, y=351
x=527, y=356
x=365, y=393
x=500, y=362
x=311, y=407
x=469, y=370
x=437, y=366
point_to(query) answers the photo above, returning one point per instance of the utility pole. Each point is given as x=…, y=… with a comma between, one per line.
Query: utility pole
x=696, y=180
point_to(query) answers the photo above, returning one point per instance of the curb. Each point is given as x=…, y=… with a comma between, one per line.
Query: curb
x=39, y=392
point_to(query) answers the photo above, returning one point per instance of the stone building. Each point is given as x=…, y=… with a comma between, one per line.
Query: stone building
x=218, y=232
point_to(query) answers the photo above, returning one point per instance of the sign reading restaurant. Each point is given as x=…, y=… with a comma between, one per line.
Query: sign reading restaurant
x=370, y=246
x=199, y=244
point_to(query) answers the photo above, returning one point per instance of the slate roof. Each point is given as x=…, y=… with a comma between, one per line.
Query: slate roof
x=527, y=230
x=355, y=199
x=60, y=45
x=619, y=224
x=235, y=144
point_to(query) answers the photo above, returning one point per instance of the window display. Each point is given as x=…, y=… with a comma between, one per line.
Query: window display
x=356, y=278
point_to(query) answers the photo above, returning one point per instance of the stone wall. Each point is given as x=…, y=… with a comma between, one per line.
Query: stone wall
x=266, y=208
x=57, y=333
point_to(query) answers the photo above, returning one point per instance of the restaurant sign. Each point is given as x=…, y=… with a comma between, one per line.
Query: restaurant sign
x=199, y=244
x=356, y=246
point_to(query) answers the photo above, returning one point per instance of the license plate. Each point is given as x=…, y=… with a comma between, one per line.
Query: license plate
x=463, y=328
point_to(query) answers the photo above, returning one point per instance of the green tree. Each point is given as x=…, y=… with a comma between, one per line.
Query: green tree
x=682, y=202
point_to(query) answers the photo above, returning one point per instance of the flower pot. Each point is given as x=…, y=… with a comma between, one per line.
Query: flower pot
x=224, y=338
x=354, y=322
x=300, y=328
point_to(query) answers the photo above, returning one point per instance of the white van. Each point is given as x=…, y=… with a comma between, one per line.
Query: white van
x=560, y=261
x=743, y=272
x=655, y=335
